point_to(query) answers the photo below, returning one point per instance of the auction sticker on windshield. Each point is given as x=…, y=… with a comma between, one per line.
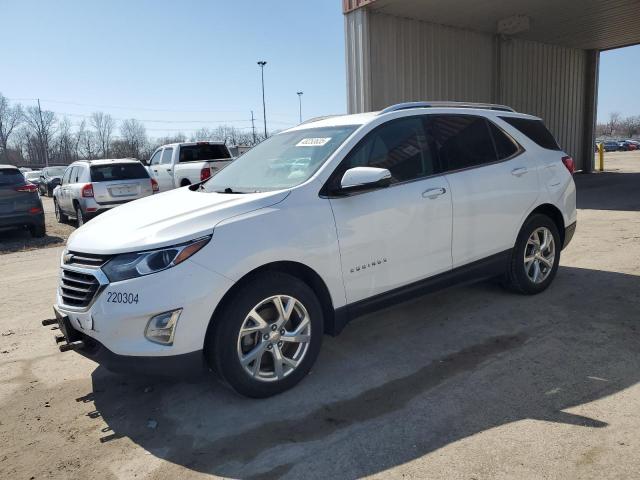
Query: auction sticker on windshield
x=313, y=142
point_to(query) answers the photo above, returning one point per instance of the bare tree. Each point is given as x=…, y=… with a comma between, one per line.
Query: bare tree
x=630, y=126
x=104, y=125
x=134, y=137
x=65, y=143
x=42, y=127
x=614, y=122
x=88, y=145
x=10, y=118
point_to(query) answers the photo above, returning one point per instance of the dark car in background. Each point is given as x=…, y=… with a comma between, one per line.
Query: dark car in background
x=50, y=178
x=628, y=145
x=20, y=204
x=611, y=146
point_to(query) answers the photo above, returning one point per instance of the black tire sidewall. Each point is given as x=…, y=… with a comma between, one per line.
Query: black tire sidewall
x=518, y=270
x=79, y=215
x=222, y=350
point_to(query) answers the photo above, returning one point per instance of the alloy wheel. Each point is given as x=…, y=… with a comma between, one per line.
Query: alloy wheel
x=274, y=338
x=539, y=255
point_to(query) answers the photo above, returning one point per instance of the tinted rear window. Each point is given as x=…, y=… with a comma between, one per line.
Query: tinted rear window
x=11, y=176
x=195, y=153
x=535, y=130
x=118, y=171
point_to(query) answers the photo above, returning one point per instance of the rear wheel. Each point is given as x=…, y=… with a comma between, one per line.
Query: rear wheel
x=38, y=231
x=79, y=216
x=535, y=257
x=60, y=217
x=267, y=336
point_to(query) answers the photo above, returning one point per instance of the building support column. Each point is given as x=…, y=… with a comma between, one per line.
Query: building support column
x=590, y=111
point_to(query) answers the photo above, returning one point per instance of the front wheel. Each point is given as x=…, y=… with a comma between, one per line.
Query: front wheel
x=268, y=336
x=535, y=257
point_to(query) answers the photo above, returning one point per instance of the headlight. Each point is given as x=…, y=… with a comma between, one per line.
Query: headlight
x=137, y=264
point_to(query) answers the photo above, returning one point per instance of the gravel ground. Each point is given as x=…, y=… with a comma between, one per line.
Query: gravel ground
x=469, y=383
x=20, y=240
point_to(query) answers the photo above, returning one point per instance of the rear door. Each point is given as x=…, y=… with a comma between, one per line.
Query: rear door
x=115, y=183
x=64, y=194
x=492, y=182
x=161, y=165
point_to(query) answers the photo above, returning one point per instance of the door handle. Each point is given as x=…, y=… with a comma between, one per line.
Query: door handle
x=434, y=192
x=518, y=172
x=155, y=170
x=168, y=169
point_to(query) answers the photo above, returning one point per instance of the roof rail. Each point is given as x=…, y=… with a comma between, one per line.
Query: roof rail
x=317, y=119
x=439, y=104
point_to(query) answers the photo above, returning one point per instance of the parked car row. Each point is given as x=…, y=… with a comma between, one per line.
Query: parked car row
x=619, y=145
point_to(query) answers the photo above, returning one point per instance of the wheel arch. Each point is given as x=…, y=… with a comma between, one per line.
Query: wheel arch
x=554, y=214
x=184, y=182
x=295, y=269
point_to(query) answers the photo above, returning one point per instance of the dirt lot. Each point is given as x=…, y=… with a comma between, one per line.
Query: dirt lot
x=469, y=383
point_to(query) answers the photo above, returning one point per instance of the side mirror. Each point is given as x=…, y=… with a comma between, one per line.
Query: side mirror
x=365, y=178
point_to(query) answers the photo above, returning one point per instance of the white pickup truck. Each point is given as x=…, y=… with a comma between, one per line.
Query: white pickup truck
x=179, y=164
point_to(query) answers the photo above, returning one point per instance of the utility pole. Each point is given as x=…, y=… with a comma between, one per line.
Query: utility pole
x=262, y=63
x=300, y=102
x=253, y=128
x=45, y=147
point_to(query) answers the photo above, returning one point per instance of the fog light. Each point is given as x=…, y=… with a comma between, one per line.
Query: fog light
x=161, y=328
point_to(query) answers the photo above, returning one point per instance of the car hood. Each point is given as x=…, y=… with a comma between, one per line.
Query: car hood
x=164, y=219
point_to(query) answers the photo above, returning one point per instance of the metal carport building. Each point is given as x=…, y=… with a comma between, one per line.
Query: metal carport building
x=538, y=56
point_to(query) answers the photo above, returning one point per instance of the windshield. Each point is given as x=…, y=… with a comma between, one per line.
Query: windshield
x=282, y=161
x=31, y=175
x=55, y=171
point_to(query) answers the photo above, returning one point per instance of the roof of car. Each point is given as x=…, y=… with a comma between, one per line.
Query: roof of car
x=7, y=166
x=363, y=118
x=106, y=161
x=188, y=144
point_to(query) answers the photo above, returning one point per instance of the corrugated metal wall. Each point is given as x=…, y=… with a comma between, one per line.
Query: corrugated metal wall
x=547, y=81
x=414, y=60
x=392, y=59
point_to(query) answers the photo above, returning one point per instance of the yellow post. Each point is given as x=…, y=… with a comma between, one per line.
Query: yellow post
x=601, y=156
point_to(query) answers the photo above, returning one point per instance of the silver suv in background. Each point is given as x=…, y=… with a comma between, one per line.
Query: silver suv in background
x=90, y=187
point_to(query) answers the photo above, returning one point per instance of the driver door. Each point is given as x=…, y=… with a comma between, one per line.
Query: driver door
x=393, y=236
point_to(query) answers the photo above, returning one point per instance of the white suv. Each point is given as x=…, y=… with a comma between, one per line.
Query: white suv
x=316, y=225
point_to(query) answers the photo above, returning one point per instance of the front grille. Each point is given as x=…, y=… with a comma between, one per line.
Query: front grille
x=85, y=259
x=79, y=279
x=77, y=289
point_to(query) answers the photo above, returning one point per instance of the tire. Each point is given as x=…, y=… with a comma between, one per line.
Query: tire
x=79, y=217
x=43, y=191
x=38, y=231
x=185, y=183
x=225, y=345
x=60, y=217
x=49, y=192
x=520, y=272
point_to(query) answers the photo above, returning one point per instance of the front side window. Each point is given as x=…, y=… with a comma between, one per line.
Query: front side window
x=166, y=156
x=462, y=141
x=54, y=171
x=155, y=160
x=282, y=161
x=67, y=175
x=401, y=146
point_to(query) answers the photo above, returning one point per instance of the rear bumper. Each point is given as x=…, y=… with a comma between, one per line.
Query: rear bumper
x=568, y=234
x=188, y=365
x=21, y=220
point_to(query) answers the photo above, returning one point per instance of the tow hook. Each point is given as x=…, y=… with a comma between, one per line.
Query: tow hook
x=71, y=346
x=49, y=321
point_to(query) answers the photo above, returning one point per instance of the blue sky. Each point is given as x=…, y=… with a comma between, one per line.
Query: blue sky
x=196, y=59
x=183, y=65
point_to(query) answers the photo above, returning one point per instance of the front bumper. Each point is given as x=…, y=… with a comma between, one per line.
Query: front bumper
x=188, y=365
x=113, y=333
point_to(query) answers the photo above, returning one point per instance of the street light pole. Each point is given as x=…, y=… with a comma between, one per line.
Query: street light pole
x=262, y=63
x=300, y=102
